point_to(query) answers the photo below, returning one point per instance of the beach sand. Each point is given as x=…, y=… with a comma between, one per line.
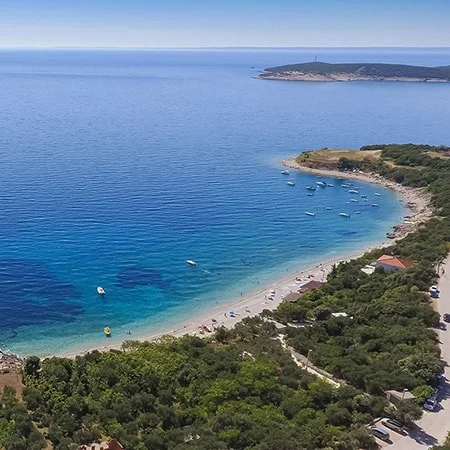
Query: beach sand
x=228, y=315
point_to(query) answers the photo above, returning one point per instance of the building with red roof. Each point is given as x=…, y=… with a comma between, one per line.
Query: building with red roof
x=392, y=263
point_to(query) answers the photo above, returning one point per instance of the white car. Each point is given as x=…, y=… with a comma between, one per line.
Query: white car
x=430, y=404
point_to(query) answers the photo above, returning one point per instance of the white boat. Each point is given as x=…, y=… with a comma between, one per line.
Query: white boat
x=321, y=184
x=377, y=194
x=353, y=191
x=290, y=183
x=375, y=205
x=329, y=208
x=363, y=196
x=344, y=185
x=310, y=213
x=100, y=290
x=344, y=214
x=354, y=200
x=310, y=188
x=191, y=262
x=330, y=185
x=285, y=172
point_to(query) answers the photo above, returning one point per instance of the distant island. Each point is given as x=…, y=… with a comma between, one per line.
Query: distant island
x=320, y=71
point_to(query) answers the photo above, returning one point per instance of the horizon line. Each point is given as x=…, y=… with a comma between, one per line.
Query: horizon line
x=220, y=47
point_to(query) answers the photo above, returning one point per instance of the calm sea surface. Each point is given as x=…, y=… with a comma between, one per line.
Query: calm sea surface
x=117, y=166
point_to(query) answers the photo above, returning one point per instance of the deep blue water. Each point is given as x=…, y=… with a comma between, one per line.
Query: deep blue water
x=117, y=166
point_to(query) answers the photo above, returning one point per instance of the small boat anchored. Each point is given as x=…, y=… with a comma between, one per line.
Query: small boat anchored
x=191, y=262
x=285, y=172
x=100, y=291
x=107, y=331
x=321, y=184
x=290, y=183
x=377, y=194
x=353, y=191
x=374, y=205
x=344, y=214
x=308, y=213
x=310, y=188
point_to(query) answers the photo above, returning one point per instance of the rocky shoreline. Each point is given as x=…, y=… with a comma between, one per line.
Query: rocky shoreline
x=334, y=77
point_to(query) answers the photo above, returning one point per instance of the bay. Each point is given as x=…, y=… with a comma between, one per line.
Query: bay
x=117, y=166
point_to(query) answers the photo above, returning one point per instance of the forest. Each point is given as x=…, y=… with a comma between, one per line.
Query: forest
x=240, y=389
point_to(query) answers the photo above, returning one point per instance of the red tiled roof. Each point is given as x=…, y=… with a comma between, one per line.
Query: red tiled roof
x=393, y=261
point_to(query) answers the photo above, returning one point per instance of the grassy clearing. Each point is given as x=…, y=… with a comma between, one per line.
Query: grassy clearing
x=334, y=155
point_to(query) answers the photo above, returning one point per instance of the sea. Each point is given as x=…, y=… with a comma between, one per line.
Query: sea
x=117, y=166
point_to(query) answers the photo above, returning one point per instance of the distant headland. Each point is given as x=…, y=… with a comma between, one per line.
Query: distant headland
x=320, y=71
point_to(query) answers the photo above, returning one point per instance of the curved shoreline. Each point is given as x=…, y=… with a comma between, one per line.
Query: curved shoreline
x=416, y=200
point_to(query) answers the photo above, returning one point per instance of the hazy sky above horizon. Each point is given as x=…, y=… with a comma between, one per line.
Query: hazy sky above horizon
x=212, y=23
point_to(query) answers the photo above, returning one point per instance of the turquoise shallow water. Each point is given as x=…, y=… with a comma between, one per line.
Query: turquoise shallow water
x=118, y=166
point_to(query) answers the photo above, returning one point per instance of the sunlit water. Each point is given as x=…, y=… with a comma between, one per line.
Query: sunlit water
x=117, y=166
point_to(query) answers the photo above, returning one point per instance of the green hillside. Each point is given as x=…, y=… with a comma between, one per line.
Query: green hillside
x=367, y=69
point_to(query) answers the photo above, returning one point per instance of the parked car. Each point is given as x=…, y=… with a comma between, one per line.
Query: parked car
x=431, y=403
x=434, y=292
x=446, y=317
x=381, y=433
x=394, y=425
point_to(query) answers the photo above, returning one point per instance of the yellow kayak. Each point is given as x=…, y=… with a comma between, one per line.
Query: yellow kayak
x=107, y=331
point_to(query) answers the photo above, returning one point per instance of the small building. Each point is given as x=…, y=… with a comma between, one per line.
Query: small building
x=112, y=444
x=309, y=286
x=341, y=314
x=369, y=269
x=391, y=263
x=396, y=397
x=291, y=297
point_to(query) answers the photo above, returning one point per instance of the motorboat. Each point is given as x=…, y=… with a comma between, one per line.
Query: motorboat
x=100, y=291
x=343, y=214
x=363, y=196
x=330, y=185
x=354, y=200
x=290, y=183
x=374, y=205
x=310, y=188
x=310, y=194
x=285, y=172
x=107, y=331
x=328, y=208
x=321, y=184
x=191, y=262
x=353, y=191
x=344, y=185
x=377, y=194
x=308, y=213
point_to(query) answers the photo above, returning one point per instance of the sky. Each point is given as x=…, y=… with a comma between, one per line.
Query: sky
x=226, y=23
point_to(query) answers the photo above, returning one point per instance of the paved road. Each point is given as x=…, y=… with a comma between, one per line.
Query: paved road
x=434, y=426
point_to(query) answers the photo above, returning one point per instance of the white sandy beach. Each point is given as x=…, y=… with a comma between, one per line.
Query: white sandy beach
x=227, y=315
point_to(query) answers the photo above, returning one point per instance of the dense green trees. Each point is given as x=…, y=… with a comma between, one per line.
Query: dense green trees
x=17, y=429
x=238, y=389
